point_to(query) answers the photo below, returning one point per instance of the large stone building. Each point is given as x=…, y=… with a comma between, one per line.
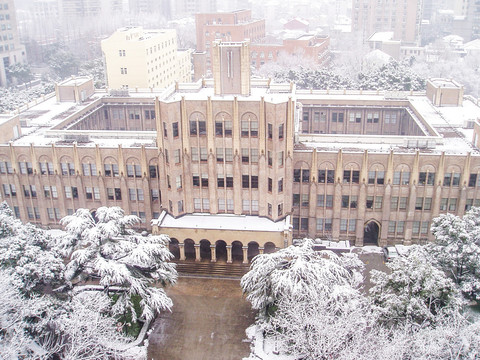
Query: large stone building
x=145, y=59
x=225, y=166
x=11, y=50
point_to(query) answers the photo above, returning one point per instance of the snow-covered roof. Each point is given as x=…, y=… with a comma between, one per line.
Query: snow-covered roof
x=221, y=222
x=377, y=56
x=381, y=36
x=472, y=45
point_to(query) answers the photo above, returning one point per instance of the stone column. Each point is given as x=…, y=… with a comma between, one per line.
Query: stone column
x=182, y=251
x=245, y=254
x=229, y=254
x=214, y=253
x=197, y=252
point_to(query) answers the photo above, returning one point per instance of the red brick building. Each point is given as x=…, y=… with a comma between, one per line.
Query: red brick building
x=306, y=46
x=229, y=26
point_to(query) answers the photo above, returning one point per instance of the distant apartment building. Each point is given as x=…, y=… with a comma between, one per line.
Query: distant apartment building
x=11, y=50
x=185, y=8
x=314, y=47
x=402, y=17
x=228, y=26
x=135, y=57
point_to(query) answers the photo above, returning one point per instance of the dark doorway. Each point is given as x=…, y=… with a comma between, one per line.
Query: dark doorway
x=370, y=233
x=189, y=247
x=269, y=248
x=252, y=250
x=205, y=250
x=237, y=251
x=221, y=250
x=174, y=248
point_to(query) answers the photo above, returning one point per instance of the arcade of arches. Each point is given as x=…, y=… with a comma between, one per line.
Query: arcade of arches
x=220, y=250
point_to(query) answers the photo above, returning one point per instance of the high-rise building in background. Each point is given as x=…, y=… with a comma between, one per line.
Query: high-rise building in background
x=144, y=58
x=11, y=50
x=184, y=8
x=404, y=18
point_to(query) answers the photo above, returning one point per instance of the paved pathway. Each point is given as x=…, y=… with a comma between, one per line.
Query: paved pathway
x=208, y=321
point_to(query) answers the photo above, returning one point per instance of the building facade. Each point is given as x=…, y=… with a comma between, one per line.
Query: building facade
x=145, y=59
x=308, y=46
x=11, y=50
x=402, y=17
x=233, y=162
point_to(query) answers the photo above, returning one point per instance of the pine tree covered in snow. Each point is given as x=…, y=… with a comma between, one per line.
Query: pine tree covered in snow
x=457, y=249
x=415, y=291
x=47, y=311
x=298, y=271
x=105, y=247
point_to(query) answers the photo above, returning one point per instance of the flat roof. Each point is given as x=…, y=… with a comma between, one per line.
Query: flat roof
x=445, y=129
x=221, y=222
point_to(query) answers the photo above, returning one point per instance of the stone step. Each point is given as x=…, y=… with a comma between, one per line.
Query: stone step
x=211, y=269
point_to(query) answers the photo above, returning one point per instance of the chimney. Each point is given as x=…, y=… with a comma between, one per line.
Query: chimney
x=231, y=68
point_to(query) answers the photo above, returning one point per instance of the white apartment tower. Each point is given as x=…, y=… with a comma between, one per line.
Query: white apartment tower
x=11, y=50
x=145, y=59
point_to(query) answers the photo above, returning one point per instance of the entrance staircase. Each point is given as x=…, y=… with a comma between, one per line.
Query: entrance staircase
x=209, y=269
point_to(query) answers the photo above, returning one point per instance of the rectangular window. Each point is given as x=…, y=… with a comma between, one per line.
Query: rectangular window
x=326, y=176
x=394, y=203
x=270, y=184
x=280, y=209
x=152, y=170
x=416, y=227
x=203, y=154
x=280, y=158
x=206, y=204
x=245, y=157
x=245, y=205
x=391, y=227
x=468, y=204
x=229, y=205
x=280, y=132
x=228, y=154
x=176, y=156
x=269, y=158
x=175, y=129
x=197, y=204
x=254, y=156
x=426, y=178
x=270, y=131
x=472, y=181
x=304, y=224
x=305, y=200
x=220, y=181
x=402, y=204
x=155, y=194
x=452, y=204
x=221, y=204
x=204, y=180
x=345, y=201
x=296, y=199
x=280, y=185
x=369, y=202
x=178, y=181
x=378, y=202
x=424, y=228
x=400, y=227
x=245, y=181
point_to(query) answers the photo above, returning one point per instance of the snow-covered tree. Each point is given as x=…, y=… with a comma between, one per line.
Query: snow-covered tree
x=27, y=252
x=46, y=311
x=106, y=248
x=414, y=291
x=298, y=271
x=457, y=251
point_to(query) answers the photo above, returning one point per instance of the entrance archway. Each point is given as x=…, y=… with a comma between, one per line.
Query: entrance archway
x=269, y=248
x=252, y=250
x=370, y=233
x=237, y=251
x=189, y=247
x=174, y=248
x=205, y=250
x=221, y=250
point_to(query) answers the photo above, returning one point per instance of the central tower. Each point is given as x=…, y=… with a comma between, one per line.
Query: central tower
x=231, y=68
